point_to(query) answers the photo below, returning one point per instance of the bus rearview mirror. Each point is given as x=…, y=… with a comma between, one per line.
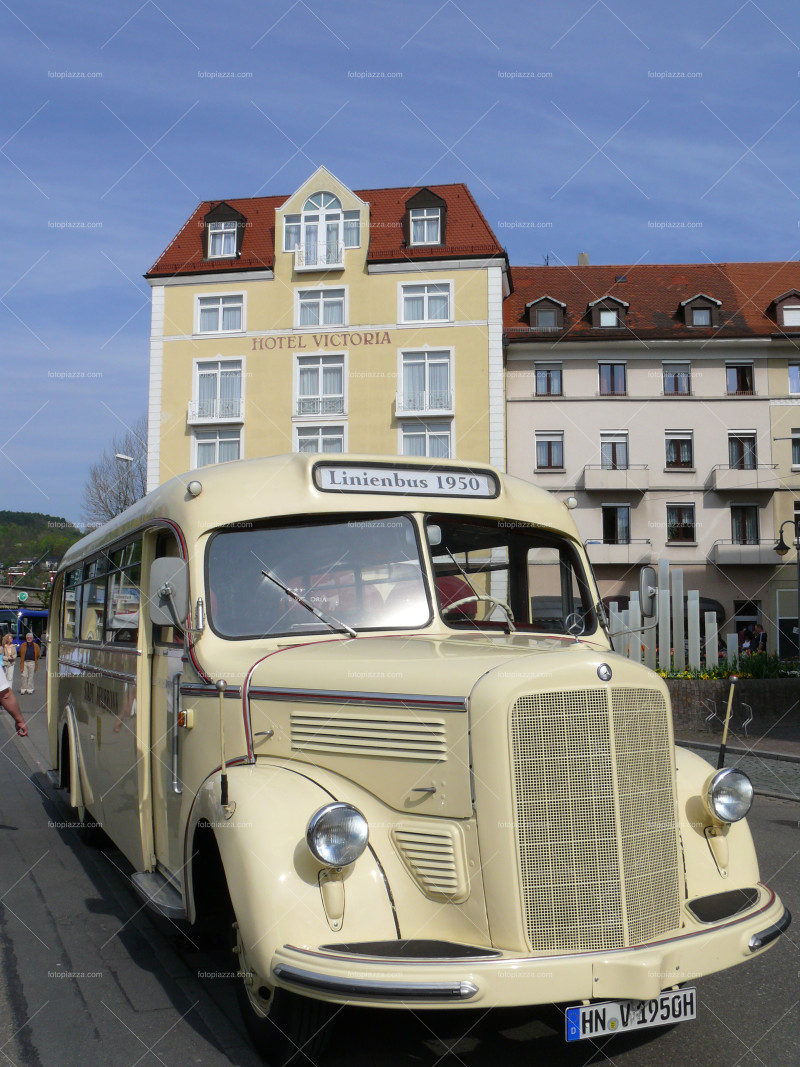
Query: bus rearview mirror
x=648, y=592
x=169, y=592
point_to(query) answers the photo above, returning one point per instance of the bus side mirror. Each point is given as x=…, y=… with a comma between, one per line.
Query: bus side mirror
x=169, y=592
x=648, y=592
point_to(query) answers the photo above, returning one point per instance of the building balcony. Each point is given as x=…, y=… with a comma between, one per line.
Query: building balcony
x=216, y=410
x=759, y=554
x=319, y=257
x=635, y=553
x=320, y=405
x=430, y=402
x=632, y=479
x=762, y=478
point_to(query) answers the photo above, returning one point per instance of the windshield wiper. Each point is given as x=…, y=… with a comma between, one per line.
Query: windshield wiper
x=329, y=620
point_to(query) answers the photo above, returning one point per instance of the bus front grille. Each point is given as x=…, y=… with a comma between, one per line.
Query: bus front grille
x=595, y=818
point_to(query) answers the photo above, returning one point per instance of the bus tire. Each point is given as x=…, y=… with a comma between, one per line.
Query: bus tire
x=284, y=1027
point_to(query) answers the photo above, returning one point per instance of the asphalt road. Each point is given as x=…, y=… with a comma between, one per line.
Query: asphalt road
x=88, y=976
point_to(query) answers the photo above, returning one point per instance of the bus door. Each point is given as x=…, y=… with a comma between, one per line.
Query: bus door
x=165, y=739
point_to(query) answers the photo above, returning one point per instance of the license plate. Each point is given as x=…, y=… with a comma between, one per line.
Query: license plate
x=622, y=1016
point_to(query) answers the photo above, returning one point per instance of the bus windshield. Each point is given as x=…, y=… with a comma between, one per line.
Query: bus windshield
x=508, y=574
x=365, y=572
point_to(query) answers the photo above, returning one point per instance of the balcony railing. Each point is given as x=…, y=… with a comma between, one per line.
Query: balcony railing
x=634, y=552
x=320, y=405
x=436, y=401
x=760, y=478
x=635, y=477
x=319, y=257
x=755, y=553
x=216, y=410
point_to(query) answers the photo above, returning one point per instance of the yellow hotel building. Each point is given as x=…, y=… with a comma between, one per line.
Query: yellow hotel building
x=328, y=321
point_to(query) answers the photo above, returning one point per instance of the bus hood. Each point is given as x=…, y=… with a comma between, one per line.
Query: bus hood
x=431, y=671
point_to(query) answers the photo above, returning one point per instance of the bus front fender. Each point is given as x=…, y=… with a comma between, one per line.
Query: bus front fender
x=280, y=893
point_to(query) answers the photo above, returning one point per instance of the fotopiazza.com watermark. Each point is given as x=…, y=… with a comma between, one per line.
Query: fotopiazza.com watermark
x=686, y=224
x=74, y=74
x=85, y=225
x=674, y=74
x=524, y=74
x=224, y=74
x=74, y=974
x=374, y=74
x=522, y=225
x=74, y=374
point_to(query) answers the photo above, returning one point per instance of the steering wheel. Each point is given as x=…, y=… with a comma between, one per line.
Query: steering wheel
x=478, y=597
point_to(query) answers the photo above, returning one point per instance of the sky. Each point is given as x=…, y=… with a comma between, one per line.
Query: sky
x=638, y=133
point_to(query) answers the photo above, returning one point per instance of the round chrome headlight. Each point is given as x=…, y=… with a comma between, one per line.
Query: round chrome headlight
x=729, y=795
x=337, y=834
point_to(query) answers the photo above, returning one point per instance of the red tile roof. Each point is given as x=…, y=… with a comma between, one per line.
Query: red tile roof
x=654, y=293
x=468, y=234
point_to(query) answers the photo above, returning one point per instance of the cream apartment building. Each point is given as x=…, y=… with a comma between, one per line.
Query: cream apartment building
x=328, y=320
x=666, y=399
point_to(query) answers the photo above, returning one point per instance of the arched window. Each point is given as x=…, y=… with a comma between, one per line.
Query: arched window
x=319, y=235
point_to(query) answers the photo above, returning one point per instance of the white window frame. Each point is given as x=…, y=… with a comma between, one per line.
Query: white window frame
x=224, y=230
x=219, y=296
x=197, y=366
x=320, y=417
x=425, y=215
x=303, y=428
x=430, y=426
x=229, y=431
x=325, y=213
x=425, y=351
x=701, y=325
x=796, y=368
x=796, y=316
x=615, y=437
x=401, y=300
x=322, y=289
x=549, y=436
x=605, y=312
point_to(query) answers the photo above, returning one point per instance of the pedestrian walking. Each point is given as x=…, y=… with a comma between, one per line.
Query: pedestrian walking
x=9, y=658
x=9, y=702
x=29, y=662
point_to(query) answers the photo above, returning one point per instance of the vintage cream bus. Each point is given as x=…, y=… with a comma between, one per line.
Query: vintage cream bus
x=366, y=711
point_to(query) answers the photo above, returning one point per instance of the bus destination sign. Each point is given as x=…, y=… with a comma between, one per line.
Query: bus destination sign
x=404, y=481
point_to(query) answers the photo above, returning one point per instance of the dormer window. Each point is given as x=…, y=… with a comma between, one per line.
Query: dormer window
x=223, y=232
x=701, y=310
x=609, y=312
x=426, y=226
x=787, y=310
x=321, y=232
x=546, y=313
x=221, y=240
x=426, y=219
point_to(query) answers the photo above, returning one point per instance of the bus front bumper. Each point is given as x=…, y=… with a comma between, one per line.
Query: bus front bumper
x=506, y=979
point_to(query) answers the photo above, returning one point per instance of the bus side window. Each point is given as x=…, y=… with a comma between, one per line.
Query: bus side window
x=122, y=621
x=70, y=612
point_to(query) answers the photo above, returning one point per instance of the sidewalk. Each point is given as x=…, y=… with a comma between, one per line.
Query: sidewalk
x=86, y=974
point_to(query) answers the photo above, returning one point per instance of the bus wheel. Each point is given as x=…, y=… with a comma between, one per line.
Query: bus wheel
x=284, y=1027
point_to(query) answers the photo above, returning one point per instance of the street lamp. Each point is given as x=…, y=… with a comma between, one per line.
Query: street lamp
x=782, y=549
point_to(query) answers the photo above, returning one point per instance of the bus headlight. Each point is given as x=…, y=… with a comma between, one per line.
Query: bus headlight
x=729, y=795
x=337, y=834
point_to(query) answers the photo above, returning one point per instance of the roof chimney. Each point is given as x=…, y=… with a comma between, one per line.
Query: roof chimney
x=583, y=259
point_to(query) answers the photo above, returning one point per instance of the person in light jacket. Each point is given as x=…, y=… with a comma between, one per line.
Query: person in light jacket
x=29, y=661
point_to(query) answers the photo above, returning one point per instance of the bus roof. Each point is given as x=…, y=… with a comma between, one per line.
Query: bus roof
x=275, y=486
